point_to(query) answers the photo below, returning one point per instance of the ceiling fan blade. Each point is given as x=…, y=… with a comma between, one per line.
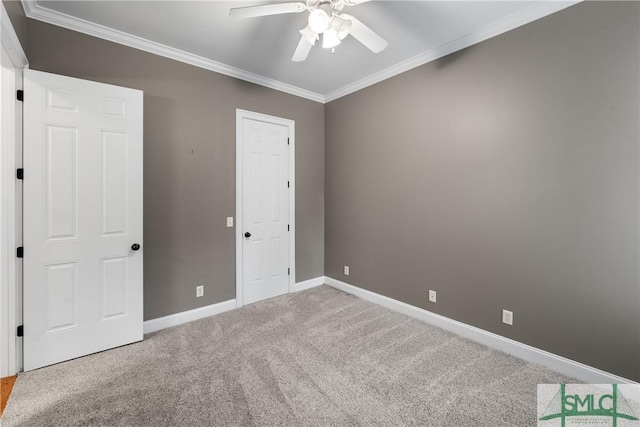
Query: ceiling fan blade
x=267, y=9
x=302, y=51
x=366, y=35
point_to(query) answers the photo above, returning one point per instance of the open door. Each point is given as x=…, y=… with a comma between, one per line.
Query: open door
x=82, y=217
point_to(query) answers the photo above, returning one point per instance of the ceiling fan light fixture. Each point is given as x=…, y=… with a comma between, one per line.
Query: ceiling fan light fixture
x=309, y=35
x=318, y=20
x=341, y=25
x=330, y=38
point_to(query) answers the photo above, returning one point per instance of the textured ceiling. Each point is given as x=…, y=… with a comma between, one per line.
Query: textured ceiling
x=264, y=45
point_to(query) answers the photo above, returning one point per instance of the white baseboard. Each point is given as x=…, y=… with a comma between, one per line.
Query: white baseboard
x=571, y=368
x=154, y=325
x=308, y=284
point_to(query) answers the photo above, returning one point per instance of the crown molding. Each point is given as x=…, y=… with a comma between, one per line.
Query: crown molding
x=10, y=41
x=515, y=20
x=35, y=11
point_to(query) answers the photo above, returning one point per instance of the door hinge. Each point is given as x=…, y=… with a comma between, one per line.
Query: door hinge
x=288, y=272
x=20, y=173
x=288, y=227
x=20, y=252
x=20, y=331
x=288, y=142
x=20, y=95
x=288, y=184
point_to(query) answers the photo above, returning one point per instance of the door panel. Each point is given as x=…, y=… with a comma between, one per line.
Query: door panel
x=113, y=179
x=60, y=182
x=265, y=207
x=114, y=287
x=82, y=213
x=61, y=284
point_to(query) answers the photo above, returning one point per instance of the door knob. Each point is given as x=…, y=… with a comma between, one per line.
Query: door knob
x=135, y=246
x=247, y=234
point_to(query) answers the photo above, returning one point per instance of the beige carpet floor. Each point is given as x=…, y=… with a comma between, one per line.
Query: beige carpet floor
x=319, y=357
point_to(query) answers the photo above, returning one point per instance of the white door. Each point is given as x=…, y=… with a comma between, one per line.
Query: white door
x=265, y=209
x=82, y=217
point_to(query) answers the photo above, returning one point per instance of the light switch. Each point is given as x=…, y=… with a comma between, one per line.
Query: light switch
x=229, y=221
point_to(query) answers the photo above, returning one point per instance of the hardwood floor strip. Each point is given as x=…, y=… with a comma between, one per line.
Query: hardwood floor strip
x=6, y=385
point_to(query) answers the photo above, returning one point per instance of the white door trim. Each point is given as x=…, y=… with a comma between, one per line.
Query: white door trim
x=10, y=235
x=10, y=41
x=290, y=124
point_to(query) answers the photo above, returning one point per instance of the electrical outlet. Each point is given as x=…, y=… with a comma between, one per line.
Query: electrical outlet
x=507, y=317
x=199, y=291
x=229, y=221
x=346, y=270
x=432, y=296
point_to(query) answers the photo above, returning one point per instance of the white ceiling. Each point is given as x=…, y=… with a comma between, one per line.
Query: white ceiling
x=417, y=31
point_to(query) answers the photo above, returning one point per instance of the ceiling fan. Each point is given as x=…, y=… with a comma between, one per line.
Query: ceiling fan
x=326, y=18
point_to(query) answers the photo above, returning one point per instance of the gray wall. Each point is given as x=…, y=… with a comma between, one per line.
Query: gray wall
x=189, y=163
x=17, y=18
x=503, y=176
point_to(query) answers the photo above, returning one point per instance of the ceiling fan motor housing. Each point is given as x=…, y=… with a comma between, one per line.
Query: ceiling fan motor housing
x=329, y=6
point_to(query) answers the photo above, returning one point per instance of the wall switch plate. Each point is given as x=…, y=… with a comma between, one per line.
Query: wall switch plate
x=199, y=291
x=229, y=221
x=432, y=296
x=507, y=317
x=346, y=270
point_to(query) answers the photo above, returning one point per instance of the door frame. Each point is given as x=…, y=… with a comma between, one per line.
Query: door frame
x=11, y=200
x=290, y=124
